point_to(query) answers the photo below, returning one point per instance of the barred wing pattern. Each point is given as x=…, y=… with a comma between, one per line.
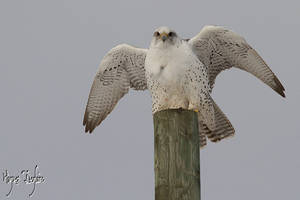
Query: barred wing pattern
x=123, y=67
x=219, y=49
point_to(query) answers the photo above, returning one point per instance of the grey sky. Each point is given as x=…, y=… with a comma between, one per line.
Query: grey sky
x=50, y=51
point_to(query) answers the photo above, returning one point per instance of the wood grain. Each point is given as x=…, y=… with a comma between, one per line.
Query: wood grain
x=176, y=155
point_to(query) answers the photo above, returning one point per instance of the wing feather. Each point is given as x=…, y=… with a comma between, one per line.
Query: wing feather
x=122, y=68
x=219, y=49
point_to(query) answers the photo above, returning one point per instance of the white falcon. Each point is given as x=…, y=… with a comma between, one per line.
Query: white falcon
x=179, y=73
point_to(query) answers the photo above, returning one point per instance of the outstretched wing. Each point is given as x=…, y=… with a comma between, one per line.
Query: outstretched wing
x=219, y=49
x=122, y=68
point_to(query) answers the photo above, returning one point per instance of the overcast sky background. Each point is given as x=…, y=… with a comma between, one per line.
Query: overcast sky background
x=49, y=53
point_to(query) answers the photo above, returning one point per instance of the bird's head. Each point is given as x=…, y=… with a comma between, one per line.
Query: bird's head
x=163, y=37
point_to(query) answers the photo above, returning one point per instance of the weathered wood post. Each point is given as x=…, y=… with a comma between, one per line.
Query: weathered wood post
x=176, y=155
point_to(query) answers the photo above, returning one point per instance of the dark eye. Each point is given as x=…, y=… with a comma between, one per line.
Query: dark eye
x=171, y=34
x=156, y=34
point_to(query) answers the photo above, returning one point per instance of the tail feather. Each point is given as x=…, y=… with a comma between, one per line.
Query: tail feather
x=203, y=130
x=223, y=127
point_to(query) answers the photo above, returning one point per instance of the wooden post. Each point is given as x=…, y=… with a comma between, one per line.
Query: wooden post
x=176, y=155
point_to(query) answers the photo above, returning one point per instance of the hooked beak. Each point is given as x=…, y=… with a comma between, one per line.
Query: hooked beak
x=163, y=36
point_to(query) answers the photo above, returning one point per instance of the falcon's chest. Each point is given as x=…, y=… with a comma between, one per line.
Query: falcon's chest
x=167, y=65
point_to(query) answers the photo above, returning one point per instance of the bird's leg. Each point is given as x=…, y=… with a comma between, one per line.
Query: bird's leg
x=194, y=107
x=203, y=104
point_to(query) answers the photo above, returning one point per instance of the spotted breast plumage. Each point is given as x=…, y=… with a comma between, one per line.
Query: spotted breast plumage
x=179, y=73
